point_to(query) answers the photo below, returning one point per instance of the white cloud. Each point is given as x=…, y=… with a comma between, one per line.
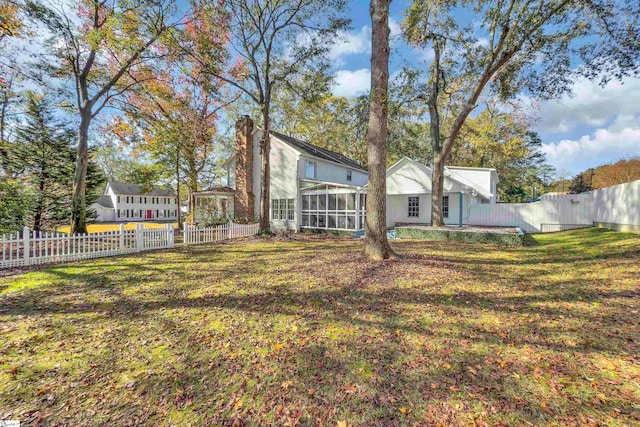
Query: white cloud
x=350, y=43
x=482, y=42
x=351, y=83
x=618, y=140
x=591, y=105
x=394, y=27
x=359, y=42
x=425, y=54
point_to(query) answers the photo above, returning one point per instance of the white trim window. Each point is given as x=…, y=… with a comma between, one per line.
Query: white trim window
x=310, y=169
x=282, y=209
x=445, y=206
x=414, y=207
x=349, y=174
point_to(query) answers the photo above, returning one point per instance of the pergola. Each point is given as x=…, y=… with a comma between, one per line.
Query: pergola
x=332, y=206
x=211, y=204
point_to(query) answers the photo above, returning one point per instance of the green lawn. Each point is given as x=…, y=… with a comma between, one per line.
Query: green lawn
x=307, y=332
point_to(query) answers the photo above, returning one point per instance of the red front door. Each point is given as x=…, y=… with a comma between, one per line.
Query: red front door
x=148, y=213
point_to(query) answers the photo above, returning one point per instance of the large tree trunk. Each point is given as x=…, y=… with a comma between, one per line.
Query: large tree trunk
x=437, y=186
x=437, y=179
x=178, y=188
x=376, y=245
x=78, y=203
x=265, y=150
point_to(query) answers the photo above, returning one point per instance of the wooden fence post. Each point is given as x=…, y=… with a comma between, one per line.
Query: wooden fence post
x=26, y=242
x=170, y=235
x=121, y=238
x=139, y=238
x=185, y=233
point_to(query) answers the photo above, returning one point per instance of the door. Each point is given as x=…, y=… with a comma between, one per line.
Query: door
x=148, y=213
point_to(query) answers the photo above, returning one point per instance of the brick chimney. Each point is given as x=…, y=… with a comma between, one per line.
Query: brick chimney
x=244, y=198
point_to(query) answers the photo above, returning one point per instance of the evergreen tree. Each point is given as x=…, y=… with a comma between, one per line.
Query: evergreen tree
x=43, y=158
x=15, y=205
x=40, y=156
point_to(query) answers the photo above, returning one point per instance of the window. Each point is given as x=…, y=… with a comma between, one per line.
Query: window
x=118, y=200
x=310, y=169
x=145, y=200
x=283, y=209
x=349, y=175
x=445, y=206
x=414, y=206
x=118, y=213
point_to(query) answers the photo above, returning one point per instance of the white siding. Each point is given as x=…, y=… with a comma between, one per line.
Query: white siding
x=103, y=214
x=283, y=174
x=481, y=179
x=410, y=177
x=398, y=208
x=284, y=182
x=332, y=172
x=619, y=204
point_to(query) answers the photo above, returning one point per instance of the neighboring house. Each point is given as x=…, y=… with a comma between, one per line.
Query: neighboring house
x=409, y=192
x=127, y=202
x=311, y=187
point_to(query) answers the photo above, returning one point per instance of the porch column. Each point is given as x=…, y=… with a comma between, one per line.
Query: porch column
x=357, y=210
x=460, y=208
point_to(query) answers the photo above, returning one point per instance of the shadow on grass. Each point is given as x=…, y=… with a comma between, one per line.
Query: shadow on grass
x=355, y=355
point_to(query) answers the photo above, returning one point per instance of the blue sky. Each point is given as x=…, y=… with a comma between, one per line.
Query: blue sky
x=593, y=125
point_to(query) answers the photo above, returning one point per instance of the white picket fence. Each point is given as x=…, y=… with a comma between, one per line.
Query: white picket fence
x=196, y=235
x=32, y=248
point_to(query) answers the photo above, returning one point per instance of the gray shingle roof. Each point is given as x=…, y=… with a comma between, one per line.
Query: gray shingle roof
x=123, y=188
x=319, y=152
x=105, y=201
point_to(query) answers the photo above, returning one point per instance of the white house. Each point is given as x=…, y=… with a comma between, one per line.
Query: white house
x=127, y=202
x=311, y=187
x=409, y=192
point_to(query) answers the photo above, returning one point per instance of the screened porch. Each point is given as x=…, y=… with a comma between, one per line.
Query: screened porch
x=333, y=207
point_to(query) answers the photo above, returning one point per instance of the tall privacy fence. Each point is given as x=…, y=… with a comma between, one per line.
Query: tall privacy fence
x=29, y=247
x=616, y=207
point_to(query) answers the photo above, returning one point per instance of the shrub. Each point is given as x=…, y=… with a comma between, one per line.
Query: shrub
x=460, y=236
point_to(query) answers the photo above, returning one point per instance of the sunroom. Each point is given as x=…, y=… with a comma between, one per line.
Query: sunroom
x=330, y=206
